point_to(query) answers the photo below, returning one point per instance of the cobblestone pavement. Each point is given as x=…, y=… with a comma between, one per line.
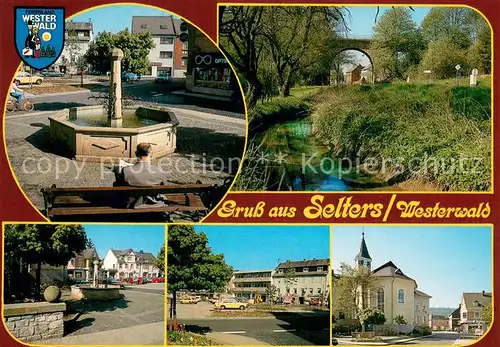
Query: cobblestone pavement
x=206, y=145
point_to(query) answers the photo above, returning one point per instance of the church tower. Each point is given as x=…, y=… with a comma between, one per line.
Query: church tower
x=363, y=258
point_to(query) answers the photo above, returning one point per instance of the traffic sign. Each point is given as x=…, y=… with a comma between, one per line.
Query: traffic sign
x=457, y=67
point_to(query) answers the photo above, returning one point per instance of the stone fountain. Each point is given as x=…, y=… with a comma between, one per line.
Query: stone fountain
x=112, y=132
x=95, y=292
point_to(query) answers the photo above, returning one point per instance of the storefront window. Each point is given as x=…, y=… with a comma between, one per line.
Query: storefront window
x=213, y=77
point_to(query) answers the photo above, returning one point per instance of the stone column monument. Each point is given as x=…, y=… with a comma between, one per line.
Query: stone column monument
x=96, y=273
x=115, y=88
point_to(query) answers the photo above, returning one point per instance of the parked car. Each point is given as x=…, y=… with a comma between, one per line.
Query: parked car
x=163, y=78
x=230, y=304
x=27, y=78
x=188, y=300
x=130, y=77
x=158, y=280
x=52, y=73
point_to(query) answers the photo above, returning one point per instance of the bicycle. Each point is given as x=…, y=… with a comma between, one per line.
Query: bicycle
x=25, y=105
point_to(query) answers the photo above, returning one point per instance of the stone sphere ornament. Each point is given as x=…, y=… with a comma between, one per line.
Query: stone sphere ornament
x=52, y=294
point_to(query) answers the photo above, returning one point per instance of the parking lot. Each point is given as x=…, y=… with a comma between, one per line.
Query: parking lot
x=199, y=310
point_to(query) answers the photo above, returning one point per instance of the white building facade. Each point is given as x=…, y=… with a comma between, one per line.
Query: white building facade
x=167, y=55
x=130, y=264
x=78, y=37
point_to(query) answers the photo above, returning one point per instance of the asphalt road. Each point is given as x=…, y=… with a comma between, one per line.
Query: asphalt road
x=287, y=329
x=143, y=91
x=441, y=338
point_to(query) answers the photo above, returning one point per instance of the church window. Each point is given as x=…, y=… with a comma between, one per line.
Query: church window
x=401, y=296
x=360, y=262
x=380, y=299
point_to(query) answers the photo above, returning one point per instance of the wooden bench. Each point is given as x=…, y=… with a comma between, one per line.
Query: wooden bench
x=76, y=203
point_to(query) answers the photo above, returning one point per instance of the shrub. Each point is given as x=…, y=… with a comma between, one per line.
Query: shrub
x=262, y=116
x=345, y=329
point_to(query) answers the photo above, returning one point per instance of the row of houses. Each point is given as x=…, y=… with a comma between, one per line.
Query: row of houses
x=169, y=56
x=116, y=264
x=296, y=279
x=467, y=318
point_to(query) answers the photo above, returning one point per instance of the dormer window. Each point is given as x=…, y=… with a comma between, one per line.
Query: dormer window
x=306, y=269
x=144, y=26
x=476, y=303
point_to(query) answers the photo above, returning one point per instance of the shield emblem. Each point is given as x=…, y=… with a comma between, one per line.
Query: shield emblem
x=39, y=35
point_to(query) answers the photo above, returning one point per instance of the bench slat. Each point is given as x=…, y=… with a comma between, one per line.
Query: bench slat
x=180, y=199
x=186, y=188
x=88, y=210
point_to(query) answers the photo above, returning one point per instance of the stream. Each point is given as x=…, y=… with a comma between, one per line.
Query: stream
x=307, y=165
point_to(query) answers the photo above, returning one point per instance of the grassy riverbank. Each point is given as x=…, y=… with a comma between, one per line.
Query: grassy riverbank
x=420, y=136
x=437, y=134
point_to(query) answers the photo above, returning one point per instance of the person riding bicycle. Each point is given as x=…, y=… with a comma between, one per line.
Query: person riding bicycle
x=16, y=93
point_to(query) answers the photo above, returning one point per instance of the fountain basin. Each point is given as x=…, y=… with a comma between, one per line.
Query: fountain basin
x=82, y=292
x=84, y=133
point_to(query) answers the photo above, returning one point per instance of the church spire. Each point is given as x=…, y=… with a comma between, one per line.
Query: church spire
x=363, y=258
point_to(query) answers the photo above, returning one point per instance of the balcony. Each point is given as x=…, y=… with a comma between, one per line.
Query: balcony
x=253, y=279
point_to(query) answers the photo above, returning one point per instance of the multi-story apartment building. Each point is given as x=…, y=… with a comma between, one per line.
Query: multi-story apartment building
x=303, y=278
x=78, y=37
x=169, y=56
x=248, y=284
x=123, y=264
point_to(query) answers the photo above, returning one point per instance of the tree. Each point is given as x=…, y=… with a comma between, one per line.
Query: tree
x=135, y=49
x=191, y=263
x=341, y=59
x=487, y=314
x=241, y=40
x=480, y=52
x=89, y=243
x=81, y=65
x=371, y=316
x=289, y=277
x=459, y=25
x=441, y=58
x=354, y=289
x=272, y=292
x=299, y=38
x=400, y=320
x=41, y=244
x=160, y=259
x=397, y=43
x=72, y=46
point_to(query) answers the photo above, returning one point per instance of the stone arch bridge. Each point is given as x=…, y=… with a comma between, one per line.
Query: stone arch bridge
x=360, y=44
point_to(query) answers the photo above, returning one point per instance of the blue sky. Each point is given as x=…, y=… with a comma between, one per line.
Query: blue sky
x=149, y=238
x=445, y=261
x=117, y=17
x=362, y=19
x=263, y=247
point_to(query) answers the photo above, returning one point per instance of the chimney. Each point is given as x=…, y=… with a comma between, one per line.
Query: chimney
x=484, y=293
x=141, y=251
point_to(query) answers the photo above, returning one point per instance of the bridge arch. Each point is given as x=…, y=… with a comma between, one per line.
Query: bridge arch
x=360, y=44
